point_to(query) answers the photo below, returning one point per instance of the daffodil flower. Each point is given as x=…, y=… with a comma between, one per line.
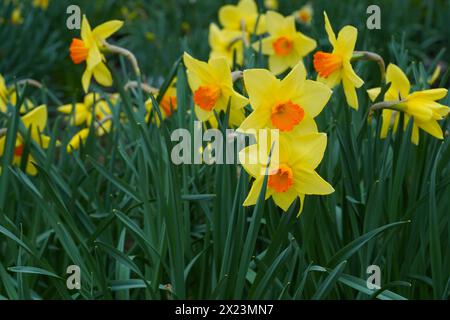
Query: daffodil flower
x=88, y=49
x=335, y=67
x=271, y=4
x=305, y=14
x=420, y=105
x=93, y=108
x=242, y=17
x=293, y=175
x=35, y=120
x=168, y=104
x=285, y=46
x=289, y=105
x=212, y=87
x=224, y=43
x=9, y=95
x=43, y=4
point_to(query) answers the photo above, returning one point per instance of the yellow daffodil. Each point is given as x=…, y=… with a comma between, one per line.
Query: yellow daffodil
x=225, y=43
x=92, y=108
x=35, y=120
x=289, y=105
x=293, y=175
x=305, y=14
x=212, y=87
x=285, y=46
x=271, y=4
x=9, y=95
x=16, y=16
x=43, y=4
x=168, y=104
x=332, y=68
x=242, y=17
x=88, y=49
x=420, y=105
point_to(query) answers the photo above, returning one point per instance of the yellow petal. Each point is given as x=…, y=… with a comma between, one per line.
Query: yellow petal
x=77, y=139
x=253, y=195
x=221, y=70
x=313, y=97
x=346, y=40
x=250, y=160
x=307, y=181
x=203, y=115
x=198, y=68
x=2, y=144
x=303, y=44
x=277, y=25
x=308, y=150
x=373, y=93
x=102, y=75
x=415, y=135
x=350, y=93
x=432, y=127
x=284, y=199
x=30, y=168
x=387, y=122
x=256, y=120
x=37, y=120
x=86, y=79
x=86, y=33
x=262, y=88
x=431, y=94
x=292, y=84
x=278, y=64
x=333, y=80
x=399, y=81
x=229, y=17
x=350, y=74
x=106, y=29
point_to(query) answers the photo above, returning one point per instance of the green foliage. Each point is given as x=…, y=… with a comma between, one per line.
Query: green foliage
x=141, y=227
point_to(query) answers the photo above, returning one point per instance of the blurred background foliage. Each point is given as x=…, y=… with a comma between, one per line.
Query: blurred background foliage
x=159, y=31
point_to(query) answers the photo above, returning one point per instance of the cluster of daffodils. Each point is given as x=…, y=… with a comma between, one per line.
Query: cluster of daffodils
x=282, y=97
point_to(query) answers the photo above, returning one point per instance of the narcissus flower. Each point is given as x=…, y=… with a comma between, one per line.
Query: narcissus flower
x=420, y=105
x=289, y=105
x=168, y=104
x=93, y=108
x=16, y=16
x=9, y=95
x=305, y=14
x=43, y=4
x=285, y=46
x=334, y=67
x=226, y=43
x=212, y=87
x=293, y=175
x=271, y=4
x=242, y=17
x=35, y=121
x=88, y=49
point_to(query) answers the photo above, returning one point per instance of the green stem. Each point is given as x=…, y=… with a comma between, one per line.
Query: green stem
x=372, y=56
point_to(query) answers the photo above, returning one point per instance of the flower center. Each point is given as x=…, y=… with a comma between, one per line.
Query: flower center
x=286, y=115
x=281, y=179
x=283, y=46
x=169, y=104
x=304, y=16
x=326, y=63
x=206, y=96
x=78, y=51
x=18, y=151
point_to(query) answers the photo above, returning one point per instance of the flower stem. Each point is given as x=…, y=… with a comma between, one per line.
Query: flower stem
x=126, y=53
x=143, y=86
x=393, y=105
x=372, y=56
x=31, y=82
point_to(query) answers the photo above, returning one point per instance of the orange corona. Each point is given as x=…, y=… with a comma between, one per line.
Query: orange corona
x=326, y=63
x=282, y=179
x=283, y=46
x=286, y=115
x=206, y=97
x=78, y=51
